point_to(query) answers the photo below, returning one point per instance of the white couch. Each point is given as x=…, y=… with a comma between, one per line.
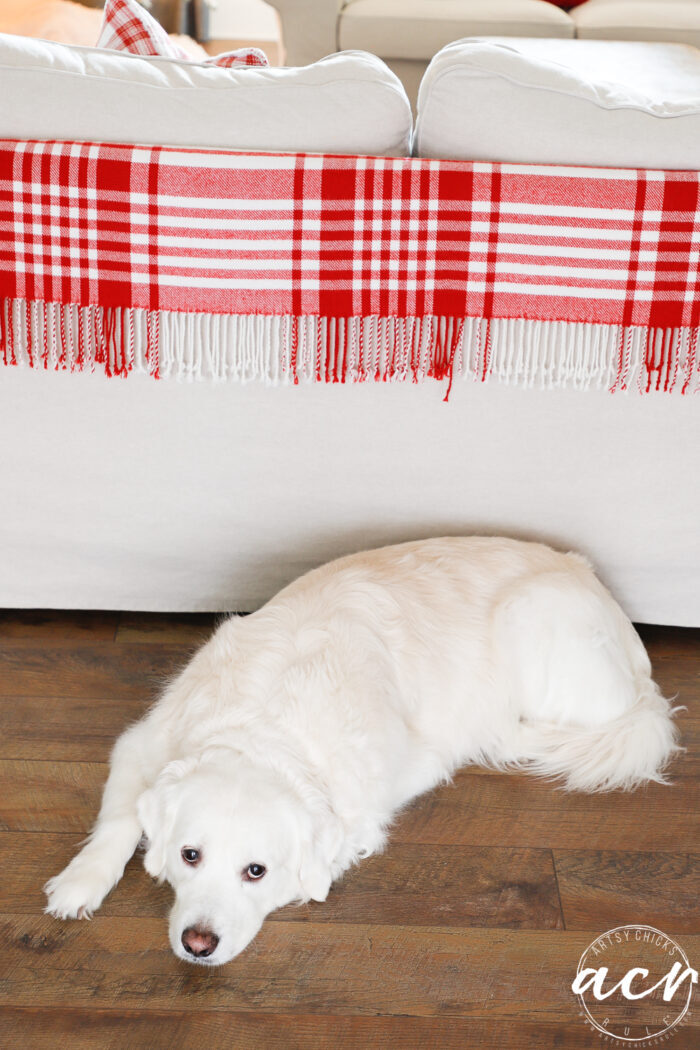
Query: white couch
x=158, y=495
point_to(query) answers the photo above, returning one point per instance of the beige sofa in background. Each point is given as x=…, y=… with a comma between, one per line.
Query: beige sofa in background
x=407, y=33
x=669, y=21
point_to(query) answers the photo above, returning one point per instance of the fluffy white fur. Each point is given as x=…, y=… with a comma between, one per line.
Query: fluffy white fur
x=295, y=734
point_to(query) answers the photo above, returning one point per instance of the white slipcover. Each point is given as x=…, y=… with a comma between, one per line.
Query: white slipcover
x=139, y=494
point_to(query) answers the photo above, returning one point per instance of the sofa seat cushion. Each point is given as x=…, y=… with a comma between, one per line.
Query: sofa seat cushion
x=599, y=103
x=660, y=20
x=416, y=29
x=52, y=91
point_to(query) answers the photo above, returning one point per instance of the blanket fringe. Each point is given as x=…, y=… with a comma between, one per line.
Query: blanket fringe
x=277, y=350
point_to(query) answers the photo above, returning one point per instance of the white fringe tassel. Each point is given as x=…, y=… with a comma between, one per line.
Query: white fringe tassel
x=245, y=348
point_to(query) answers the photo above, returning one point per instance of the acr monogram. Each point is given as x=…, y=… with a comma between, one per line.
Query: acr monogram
x=635, y=985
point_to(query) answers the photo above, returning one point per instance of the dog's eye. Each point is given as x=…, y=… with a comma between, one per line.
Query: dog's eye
x=254, y=872
x=190, y=856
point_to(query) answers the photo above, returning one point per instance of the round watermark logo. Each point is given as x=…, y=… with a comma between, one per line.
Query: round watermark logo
x=635, y=986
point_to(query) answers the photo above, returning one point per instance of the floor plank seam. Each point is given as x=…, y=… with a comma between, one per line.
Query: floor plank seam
x=556, y=882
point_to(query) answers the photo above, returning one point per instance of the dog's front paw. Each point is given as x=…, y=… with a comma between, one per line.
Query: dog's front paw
x=78, y=891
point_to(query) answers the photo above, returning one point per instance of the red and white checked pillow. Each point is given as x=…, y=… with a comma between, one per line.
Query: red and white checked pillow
x=127, y=26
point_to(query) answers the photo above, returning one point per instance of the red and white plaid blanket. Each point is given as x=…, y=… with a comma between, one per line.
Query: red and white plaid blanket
x=327, y=268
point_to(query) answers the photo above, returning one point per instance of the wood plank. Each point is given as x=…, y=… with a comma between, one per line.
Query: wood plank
x=129, y=672
x=675, y=658
x=50, y=796
x=85, y=1029
x=293, y=967
x=186, y=629
x=447, y=886
x=500, y=810
x=63, y=729
x=688, y=764
x=55, y=627
x=603, y=889
x=519, y=811
x=30, y=859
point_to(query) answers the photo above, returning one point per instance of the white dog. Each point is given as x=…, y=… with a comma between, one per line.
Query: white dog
x=280, y=755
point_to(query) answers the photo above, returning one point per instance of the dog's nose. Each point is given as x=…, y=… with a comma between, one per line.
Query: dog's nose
x=199, y=942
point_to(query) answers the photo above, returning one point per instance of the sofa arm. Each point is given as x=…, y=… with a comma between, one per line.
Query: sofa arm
x=309, y=28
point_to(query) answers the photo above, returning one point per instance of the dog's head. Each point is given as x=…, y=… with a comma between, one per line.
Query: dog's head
x=235, y=841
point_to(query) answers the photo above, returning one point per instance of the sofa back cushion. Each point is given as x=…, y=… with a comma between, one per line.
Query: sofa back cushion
x=600, y=103
x=53, y=91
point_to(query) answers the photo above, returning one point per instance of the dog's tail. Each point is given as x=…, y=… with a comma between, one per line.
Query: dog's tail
x=624, y=753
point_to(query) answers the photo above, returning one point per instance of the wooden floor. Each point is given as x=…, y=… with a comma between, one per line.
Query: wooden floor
x=466, y=933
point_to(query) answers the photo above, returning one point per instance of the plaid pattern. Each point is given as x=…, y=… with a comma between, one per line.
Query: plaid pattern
x=127, y=26
x=242, y=56
x=225, y=232
x=211, y=232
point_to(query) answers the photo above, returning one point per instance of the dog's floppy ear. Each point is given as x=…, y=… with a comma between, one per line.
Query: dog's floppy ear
x=151, y=813
x=318, y=852
x=156, y=809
